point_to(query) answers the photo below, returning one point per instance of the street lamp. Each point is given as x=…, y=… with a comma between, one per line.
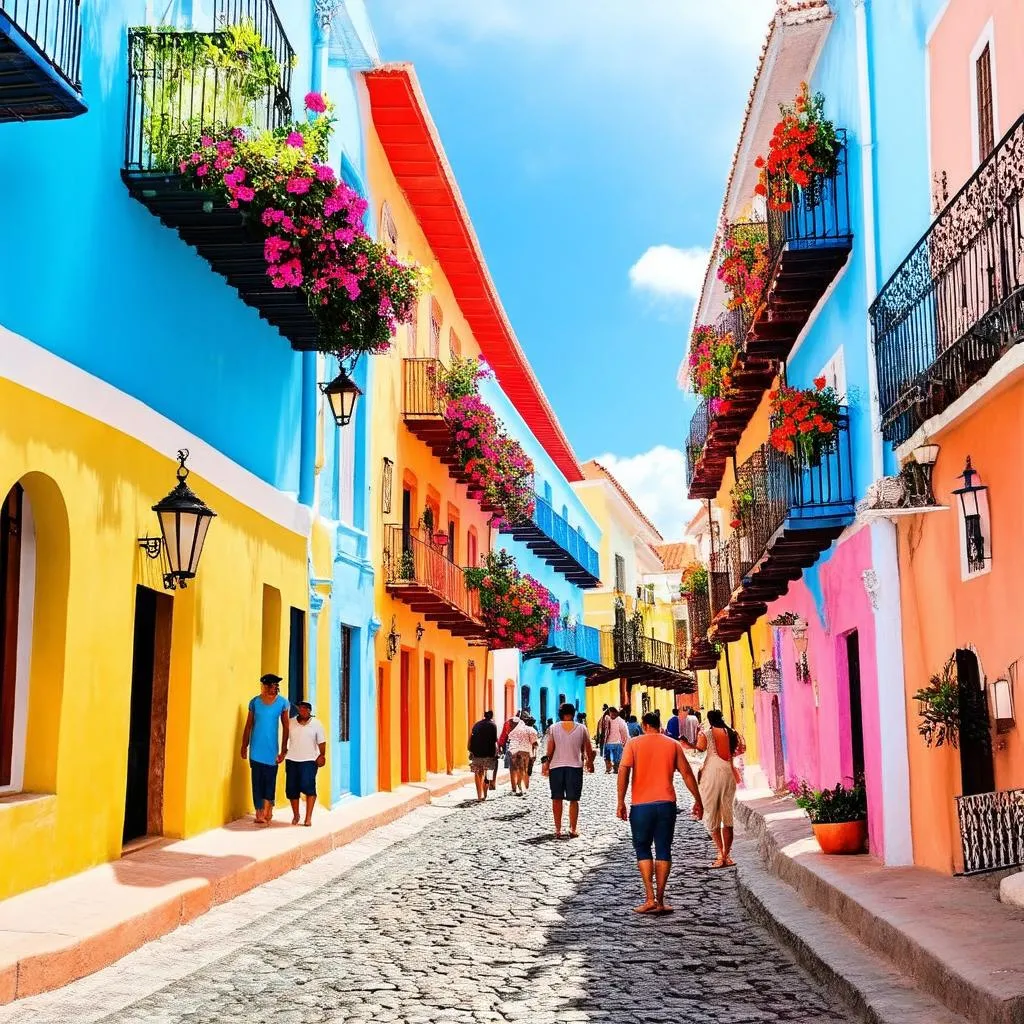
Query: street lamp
x=342, y=393
x=973, y=499
x=184, y=519
x=800, y=645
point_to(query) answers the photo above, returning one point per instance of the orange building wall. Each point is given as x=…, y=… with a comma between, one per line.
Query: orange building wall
x=941, y=612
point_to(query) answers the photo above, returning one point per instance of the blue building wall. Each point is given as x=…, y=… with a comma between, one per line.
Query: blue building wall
x=549, y=482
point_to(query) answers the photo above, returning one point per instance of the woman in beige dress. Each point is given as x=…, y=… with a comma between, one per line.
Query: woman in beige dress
x=717, y=782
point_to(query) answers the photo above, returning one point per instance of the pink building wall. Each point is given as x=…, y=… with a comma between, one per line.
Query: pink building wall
x=818, y=739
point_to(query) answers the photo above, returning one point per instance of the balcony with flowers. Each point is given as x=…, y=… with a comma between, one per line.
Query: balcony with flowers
x=791, y=499
x=441, y=405
x=694, y=591
x=551, y=536
x=574, y=648
x=955, y=306
x=40, y=60
x=213, y=149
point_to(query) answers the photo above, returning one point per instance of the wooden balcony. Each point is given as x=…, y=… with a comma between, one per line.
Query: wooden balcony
x=799, y=509
x=549, y=535
x=573, y=648
x=421, y=574
x=956, y=303
x=40, y=60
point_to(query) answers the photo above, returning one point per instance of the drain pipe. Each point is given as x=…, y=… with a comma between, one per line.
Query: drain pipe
x=869, y=202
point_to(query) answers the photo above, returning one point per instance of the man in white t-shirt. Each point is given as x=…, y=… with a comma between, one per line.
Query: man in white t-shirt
x=307, y=751
x=522, y=748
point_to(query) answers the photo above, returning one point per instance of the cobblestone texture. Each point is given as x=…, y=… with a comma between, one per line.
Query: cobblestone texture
x=468, y=914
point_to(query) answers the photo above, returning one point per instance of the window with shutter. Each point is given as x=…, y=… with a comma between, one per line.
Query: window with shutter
x=454, y=345
x=388, y=231
x=413, y=330
x=435, y=331
x=345, y=685
x=986, y=114
x=620, y=574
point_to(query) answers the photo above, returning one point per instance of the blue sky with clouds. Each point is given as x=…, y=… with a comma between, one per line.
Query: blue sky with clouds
x=591, y=140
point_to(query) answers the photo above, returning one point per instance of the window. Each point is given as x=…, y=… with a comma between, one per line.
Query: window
x=435, y=331
x=386, y=482
x=388, y=231
x=454, y=345
x=620, y=574
x=986, y=115
x=413, y=330
x=296, y=657
x=834, y=372
x=472, y=555
x=345, y=684
x=452, y=535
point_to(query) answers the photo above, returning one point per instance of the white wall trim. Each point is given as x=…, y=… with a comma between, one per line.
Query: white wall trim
x=892, y=705
x=39, y=370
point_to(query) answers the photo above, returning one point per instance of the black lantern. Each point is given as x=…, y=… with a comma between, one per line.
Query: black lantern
x=342, y=393
x=184, y=520
x=973, y=498
x=393, y=638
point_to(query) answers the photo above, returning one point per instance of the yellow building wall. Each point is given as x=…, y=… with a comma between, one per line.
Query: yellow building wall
x=91, y=489
x=436, y=719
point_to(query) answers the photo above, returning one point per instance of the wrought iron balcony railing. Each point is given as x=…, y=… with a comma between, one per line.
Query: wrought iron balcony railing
x=956, y=303
x=420, y=573
x=40, y=60
x=799, y=507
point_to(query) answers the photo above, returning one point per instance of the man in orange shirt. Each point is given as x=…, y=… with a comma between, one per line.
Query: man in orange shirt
x=651, y=761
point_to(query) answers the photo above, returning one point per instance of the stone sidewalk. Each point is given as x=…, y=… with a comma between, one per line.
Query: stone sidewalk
x=952, y=936
x=60, y=932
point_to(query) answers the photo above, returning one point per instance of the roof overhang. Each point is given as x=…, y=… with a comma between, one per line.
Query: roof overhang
x=418, y=161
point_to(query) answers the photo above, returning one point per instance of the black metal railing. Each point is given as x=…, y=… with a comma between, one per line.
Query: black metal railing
x=700, y=424
x=421, y=394
x=817, y=218
x=720, y=584
x=178, y=90
x=630, y=647
x=414, y=561
x=570, y=540
x=956, y=303
x=698, y=610
x=991, y=830
x=54, y=28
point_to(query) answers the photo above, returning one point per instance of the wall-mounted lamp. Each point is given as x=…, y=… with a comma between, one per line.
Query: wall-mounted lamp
x=921, y=494
x=803, y=673
x=1002, y=701
x=184, y=519
x=419, y=631
x=393, y=638
x=342, y=393
x=973, y=499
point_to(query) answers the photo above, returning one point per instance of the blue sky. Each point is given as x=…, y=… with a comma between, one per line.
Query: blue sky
x=591, y=147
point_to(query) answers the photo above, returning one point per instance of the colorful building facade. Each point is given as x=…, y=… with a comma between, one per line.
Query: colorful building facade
x=946, y=326
x=804, y=595
x=122, y=345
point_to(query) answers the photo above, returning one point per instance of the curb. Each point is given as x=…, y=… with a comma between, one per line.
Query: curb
x=36, y=973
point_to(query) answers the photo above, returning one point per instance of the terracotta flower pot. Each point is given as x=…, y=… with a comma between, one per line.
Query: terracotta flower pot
x=842, y=837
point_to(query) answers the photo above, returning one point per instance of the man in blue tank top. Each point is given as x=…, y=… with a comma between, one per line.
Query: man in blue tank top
x=259, y=744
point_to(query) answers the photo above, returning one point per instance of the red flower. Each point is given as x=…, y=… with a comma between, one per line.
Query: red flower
x=820, y=382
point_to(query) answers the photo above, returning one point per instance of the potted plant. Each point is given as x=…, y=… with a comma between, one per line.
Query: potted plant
x=839, y=816
x=805, y=422
x=744, y=266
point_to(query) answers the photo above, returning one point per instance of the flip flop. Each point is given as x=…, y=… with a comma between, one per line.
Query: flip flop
x=663, y=909
x=647, y=908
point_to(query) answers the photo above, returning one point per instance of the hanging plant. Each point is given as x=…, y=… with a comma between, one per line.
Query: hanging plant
x=744, y=266
x=694, y=580
x=805, y=423
x=312, y=229
x=803, y=153
x=742, y=501
x=516, y=609
x=939, y=708
x=495, y=464
x=710, y=362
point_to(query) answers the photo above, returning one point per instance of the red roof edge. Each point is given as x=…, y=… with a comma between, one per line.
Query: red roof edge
x=394, y=89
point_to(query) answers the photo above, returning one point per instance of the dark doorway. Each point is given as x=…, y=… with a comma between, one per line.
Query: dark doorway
x=977, y=773
x=856, y=712
x=524, y=698
x=147, y=728
x=430, y=713
x=406, y=519
x=296, y=658
x=10, y=581
x=778, y=754
x=543, y=707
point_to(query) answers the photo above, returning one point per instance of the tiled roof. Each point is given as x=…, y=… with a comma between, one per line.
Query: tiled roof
x=677, y=555
x=593, y=470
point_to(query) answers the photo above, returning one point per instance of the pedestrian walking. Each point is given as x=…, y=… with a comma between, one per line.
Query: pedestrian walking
x=616, y=736
x=503, y=739
x=483, y=753
x=568, y=750
x=522, y=748
x=581, y=718
x=307, y=751
x=673, y=725
x=717, y=783
x=650, y=762
x=260, y=744
x=690, y=728
x=601, y=726
x=633, y=727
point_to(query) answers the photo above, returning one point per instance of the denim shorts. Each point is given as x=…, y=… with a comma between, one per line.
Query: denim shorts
x=653, y=824
x=613, y=752
x=566, y=783
x=264, y=783
x=299, y=779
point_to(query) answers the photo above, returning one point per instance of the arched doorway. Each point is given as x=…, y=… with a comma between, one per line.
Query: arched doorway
x=449, y=717
x=17, y=546
x=977, y=773
x=778, y=755
x=403, y=716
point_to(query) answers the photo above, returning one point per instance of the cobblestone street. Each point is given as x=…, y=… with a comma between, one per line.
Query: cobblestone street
x=462, y=913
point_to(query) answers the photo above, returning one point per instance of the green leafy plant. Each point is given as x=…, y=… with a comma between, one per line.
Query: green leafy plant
x=694, y=580
x=832, y=806
x=940, y=707
x=407, y=566
x=742, y=500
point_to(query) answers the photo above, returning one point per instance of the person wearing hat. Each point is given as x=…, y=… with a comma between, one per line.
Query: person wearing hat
x=307, y=751
x=259, y=744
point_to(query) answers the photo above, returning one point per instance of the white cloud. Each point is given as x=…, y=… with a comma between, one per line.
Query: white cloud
x=656, y=481
x=670, y=273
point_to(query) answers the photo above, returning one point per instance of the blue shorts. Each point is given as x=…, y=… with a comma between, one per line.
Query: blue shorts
x=566, y=783
x=299, y=778
x=653, y=824
x=613, y=752
x=264, y=783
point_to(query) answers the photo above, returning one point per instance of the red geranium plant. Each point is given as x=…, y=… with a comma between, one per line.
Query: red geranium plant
x=710, y=362
x=802, y=153
x=516, y=609
x=805, y=423
x=744, y=265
